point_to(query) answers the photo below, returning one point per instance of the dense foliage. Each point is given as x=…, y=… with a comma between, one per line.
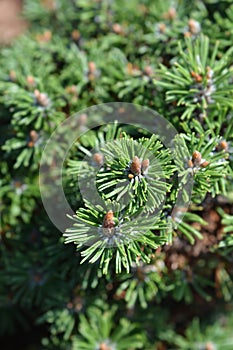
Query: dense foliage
x=128, y=279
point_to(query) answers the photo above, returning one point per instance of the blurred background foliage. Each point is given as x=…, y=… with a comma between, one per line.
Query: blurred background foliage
x=176, y=58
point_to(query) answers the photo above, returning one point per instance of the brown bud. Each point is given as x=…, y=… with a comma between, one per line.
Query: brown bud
x=190, y=163
x=204, y=164
x=75, y=35
x=130, y=68
x=108, y=221
x=31, y=144
x=187, y=34
x=209, y=346
x=196, y=76
x=223, y=145
x=209, y=73
x=194, y=26
x=71, y=89
x=170, y=14
x=92, y=67
x=33, y=135
x=104, y=346
x=30, y=80
x=162, y=27
x=41, y=98
x=37, y=93
x=145, y=165
x=148, y=70
x=45, y=37
x=117, y=28
x=135, y=167
x=98, y=158
x=196, y=158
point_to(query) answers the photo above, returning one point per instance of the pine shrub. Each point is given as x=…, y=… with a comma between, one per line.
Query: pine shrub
x=137, y=271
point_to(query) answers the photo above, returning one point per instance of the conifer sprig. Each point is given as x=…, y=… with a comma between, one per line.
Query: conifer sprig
x=104, y=235
x=199, y=80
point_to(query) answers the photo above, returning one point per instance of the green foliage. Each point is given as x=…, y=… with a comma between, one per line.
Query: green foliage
x=197, y=82
x=98, y=331
x=141, y=271
x=215, y=336
x=128, y=236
